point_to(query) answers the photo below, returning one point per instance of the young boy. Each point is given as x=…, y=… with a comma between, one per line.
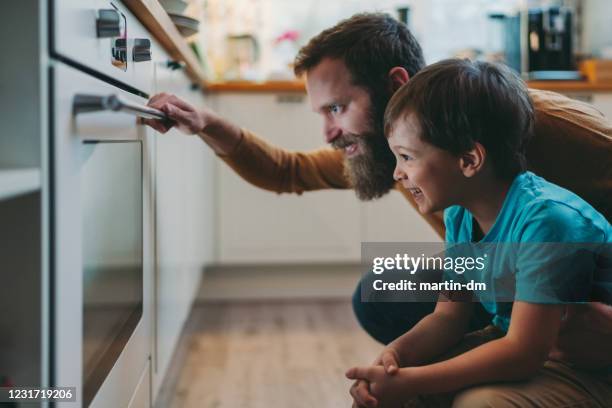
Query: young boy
x=458, y=131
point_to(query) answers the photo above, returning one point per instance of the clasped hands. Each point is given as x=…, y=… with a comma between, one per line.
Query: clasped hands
x=383, y=384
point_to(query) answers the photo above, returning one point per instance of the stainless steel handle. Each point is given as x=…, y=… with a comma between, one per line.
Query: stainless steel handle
x=83, y=103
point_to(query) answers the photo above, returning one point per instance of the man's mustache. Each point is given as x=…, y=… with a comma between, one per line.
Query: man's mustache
x=343, y=141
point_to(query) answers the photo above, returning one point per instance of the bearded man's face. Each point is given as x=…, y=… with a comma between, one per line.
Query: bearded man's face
x=352, y=124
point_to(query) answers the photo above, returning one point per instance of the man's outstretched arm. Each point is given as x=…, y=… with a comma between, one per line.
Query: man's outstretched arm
x=255, y=160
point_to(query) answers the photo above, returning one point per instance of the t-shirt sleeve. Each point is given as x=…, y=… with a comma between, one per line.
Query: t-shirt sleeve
x=556, y=257
x=453, y=221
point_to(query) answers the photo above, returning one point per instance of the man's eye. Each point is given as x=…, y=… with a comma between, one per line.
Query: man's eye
x=335, y=108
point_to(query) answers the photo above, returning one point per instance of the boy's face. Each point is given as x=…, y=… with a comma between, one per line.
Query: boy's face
x=431, y=174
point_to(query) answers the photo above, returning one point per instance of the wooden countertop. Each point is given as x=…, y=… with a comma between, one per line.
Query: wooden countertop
x=154, y=17
x=298, y=86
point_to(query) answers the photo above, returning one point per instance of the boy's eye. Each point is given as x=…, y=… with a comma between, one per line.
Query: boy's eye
x=405, y=157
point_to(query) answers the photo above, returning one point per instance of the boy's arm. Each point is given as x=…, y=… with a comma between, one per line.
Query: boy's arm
x=518, y=355
x=436, y=332
x=433, y=335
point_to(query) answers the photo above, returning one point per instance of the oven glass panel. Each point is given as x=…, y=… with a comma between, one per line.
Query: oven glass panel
x=111, y=191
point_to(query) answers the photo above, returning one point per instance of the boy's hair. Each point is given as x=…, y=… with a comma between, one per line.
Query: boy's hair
x=369, y=44
x=459, y=102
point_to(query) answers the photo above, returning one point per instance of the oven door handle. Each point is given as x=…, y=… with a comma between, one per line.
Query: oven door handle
x=82, y=103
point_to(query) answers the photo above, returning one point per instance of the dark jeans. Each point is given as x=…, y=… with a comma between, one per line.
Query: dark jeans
x=385, y=321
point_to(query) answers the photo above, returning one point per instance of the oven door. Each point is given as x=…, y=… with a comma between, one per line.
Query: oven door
x=103, y=214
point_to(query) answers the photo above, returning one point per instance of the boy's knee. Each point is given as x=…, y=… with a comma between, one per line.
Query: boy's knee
x=485, y=397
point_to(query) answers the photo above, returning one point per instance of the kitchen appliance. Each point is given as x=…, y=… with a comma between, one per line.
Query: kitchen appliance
x=549, y=43
x=103, y=177
x=538, y=42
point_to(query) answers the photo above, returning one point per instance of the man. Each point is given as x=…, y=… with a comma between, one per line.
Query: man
x=352, y=70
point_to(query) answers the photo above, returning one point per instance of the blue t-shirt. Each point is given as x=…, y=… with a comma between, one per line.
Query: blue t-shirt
x=538, y=243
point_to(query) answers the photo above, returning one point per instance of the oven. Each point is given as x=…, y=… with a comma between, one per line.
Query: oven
x=102, y=204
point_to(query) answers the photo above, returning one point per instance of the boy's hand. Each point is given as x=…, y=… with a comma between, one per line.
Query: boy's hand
x=585, y=336
x=360, y=390
x=389, y=390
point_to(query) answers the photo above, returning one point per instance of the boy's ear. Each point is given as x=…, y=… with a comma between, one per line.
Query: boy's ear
x=472, y=161
x=398, y=76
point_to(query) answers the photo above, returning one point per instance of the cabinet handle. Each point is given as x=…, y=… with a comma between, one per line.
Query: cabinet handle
x=83, y=103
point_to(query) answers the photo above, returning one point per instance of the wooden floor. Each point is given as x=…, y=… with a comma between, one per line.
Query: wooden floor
x=271, y=354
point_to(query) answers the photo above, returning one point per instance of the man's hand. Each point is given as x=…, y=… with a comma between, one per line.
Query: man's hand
x=360, y=390
x=184, y=116
x=585, y=336
x=389, y=390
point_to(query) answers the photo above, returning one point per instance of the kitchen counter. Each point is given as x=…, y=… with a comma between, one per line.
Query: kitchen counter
x=298, y=86
x=155, y=19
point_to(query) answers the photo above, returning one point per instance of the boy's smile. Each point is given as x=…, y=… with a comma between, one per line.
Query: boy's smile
x=431, y=174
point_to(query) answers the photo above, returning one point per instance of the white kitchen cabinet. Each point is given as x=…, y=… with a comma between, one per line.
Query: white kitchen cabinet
x=393, y=219
x=258, y=226
x=261, y=226
x=184, y=222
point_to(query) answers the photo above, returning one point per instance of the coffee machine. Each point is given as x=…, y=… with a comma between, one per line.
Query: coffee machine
x=549, y=48
x=538, y=42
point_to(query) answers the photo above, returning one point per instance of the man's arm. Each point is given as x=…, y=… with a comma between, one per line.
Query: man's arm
x=255, y=160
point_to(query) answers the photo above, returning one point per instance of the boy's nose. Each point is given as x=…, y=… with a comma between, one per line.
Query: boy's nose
x=398, y=174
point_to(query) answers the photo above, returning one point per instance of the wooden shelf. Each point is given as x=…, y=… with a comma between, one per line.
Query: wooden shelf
x=17, y=182
x=152, y=15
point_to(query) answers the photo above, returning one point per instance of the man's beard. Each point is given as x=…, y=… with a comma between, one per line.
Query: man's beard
x=370, y=172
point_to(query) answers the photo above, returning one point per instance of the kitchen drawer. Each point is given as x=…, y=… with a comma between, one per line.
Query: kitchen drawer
x=75, y=40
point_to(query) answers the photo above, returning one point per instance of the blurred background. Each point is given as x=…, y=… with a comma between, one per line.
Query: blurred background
x=276, y=29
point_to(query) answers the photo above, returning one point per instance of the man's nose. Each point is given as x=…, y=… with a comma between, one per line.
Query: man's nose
x=331, y=131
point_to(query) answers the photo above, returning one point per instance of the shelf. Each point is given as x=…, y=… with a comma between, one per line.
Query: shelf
x=17, y=182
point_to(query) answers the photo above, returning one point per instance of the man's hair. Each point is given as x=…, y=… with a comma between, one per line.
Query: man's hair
x=369, y=44
x=459, y=102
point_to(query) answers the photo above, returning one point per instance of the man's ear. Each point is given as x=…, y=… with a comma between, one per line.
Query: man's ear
x=398, y=76
x=473, y=160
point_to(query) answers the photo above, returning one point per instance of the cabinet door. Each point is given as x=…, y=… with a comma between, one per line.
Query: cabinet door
x=393, y=219
x=184, y=219
x=258, y=226
x=171, y=303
